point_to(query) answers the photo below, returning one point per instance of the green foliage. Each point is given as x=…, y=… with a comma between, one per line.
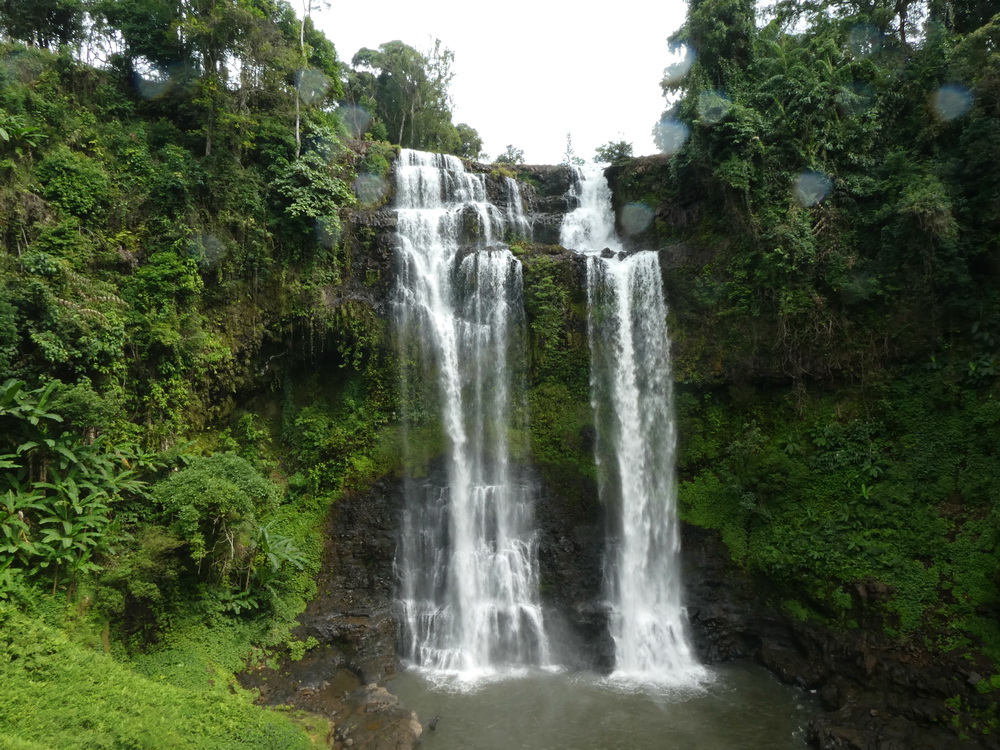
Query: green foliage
x=74, y=182
x=44, y=23
x=407, y=92
x=826, y=172
x=333, y=440
x=376, y=160
x=103, y=703
x=824, y=493
x=165, y=252
x=556, y=320
x=55, y=510
x=510, y=155
x=561, y=418
x=470, y=145
x=313, y=191
x=613, y=152
x=569, y=156
x=214, y=505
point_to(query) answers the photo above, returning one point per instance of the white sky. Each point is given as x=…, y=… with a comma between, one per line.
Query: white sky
x=529, y=72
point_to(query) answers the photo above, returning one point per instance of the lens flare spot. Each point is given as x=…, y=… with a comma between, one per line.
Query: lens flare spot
x=670, y=135
x=357, y=119
x=370, y=189
x=328, y=231
x=678, y=68
x=26, y=68
x=812, y=188
x=635, y=218
x=855, y=99
x=150, y=87
x=864, y=40
x=713, y=106
x=312, y=85
x=206, y=249
x=951, y=101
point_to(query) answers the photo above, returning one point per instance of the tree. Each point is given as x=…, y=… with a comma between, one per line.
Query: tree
x=470, y=145
x=510, y=155
x=148, y=30
x=43, y=23
x=409, y=91
x=721, y=33
x=613, y=152
x=570, y=158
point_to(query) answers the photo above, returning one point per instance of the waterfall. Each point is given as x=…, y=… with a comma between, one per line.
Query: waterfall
x=467, y=558
x=631, y=392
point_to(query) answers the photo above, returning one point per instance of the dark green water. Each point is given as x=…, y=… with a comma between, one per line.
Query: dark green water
x=741, y=708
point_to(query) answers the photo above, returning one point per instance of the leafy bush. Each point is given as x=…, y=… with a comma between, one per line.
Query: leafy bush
x=74, y=182
x=214, y=506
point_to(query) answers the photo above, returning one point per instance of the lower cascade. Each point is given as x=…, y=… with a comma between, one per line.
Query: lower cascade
x=631, y=392
x=467, y=559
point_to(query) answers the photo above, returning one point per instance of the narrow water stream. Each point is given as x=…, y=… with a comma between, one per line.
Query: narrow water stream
x=742, y=708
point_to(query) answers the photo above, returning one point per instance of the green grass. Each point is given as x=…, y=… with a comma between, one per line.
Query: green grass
x=57, y=693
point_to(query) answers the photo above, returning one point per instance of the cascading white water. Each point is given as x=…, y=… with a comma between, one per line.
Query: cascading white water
x=631, y=390
x=467, y=558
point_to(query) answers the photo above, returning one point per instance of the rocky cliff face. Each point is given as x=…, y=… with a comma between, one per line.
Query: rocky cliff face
x=876, y=694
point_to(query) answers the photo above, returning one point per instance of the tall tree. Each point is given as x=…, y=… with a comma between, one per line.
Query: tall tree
x=409, y=92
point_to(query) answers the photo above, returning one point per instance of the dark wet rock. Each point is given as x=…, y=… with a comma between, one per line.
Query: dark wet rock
x=546, y=196
x=571, y=568
x=545, y=227
x=377, y=721
x=877, y=694
x=352, y=622
x=352, y=610
x=369, y=240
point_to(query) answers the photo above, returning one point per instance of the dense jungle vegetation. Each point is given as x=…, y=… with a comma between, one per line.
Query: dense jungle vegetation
x=831, y=219
x=175, y=276
x=192, y=367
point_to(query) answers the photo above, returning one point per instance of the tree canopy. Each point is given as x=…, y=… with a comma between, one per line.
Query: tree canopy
x=407, y=91
x=850, y=144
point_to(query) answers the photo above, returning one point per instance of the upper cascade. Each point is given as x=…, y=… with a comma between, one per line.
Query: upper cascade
x=632, y=398
x=590, y=227
x=439, y=182
x=467, y=558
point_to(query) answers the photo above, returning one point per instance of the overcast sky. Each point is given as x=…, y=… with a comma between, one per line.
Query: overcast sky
x=527, y=72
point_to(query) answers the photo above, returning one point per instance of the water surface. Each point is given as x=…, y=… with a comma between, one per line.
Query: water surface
x=741, y=708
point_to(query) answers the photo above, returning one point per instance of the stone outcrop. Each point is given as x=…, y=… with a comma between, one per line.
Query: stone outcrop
x=352, y=624
x=875, y=694
x=546, y=194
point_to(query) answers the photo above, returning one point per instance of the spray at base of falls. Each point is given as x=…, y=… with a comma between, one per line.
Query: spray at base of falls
x=632, y=397
x=467, y=559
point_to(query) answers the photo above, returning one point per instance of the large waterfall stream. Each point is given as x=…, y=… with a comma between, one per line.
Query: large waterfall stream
x=467, y=558
x=631, y=387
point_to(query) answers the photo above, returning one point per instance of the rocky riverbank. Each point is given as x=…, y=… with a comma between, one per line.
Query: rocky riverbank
x=876, y=694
